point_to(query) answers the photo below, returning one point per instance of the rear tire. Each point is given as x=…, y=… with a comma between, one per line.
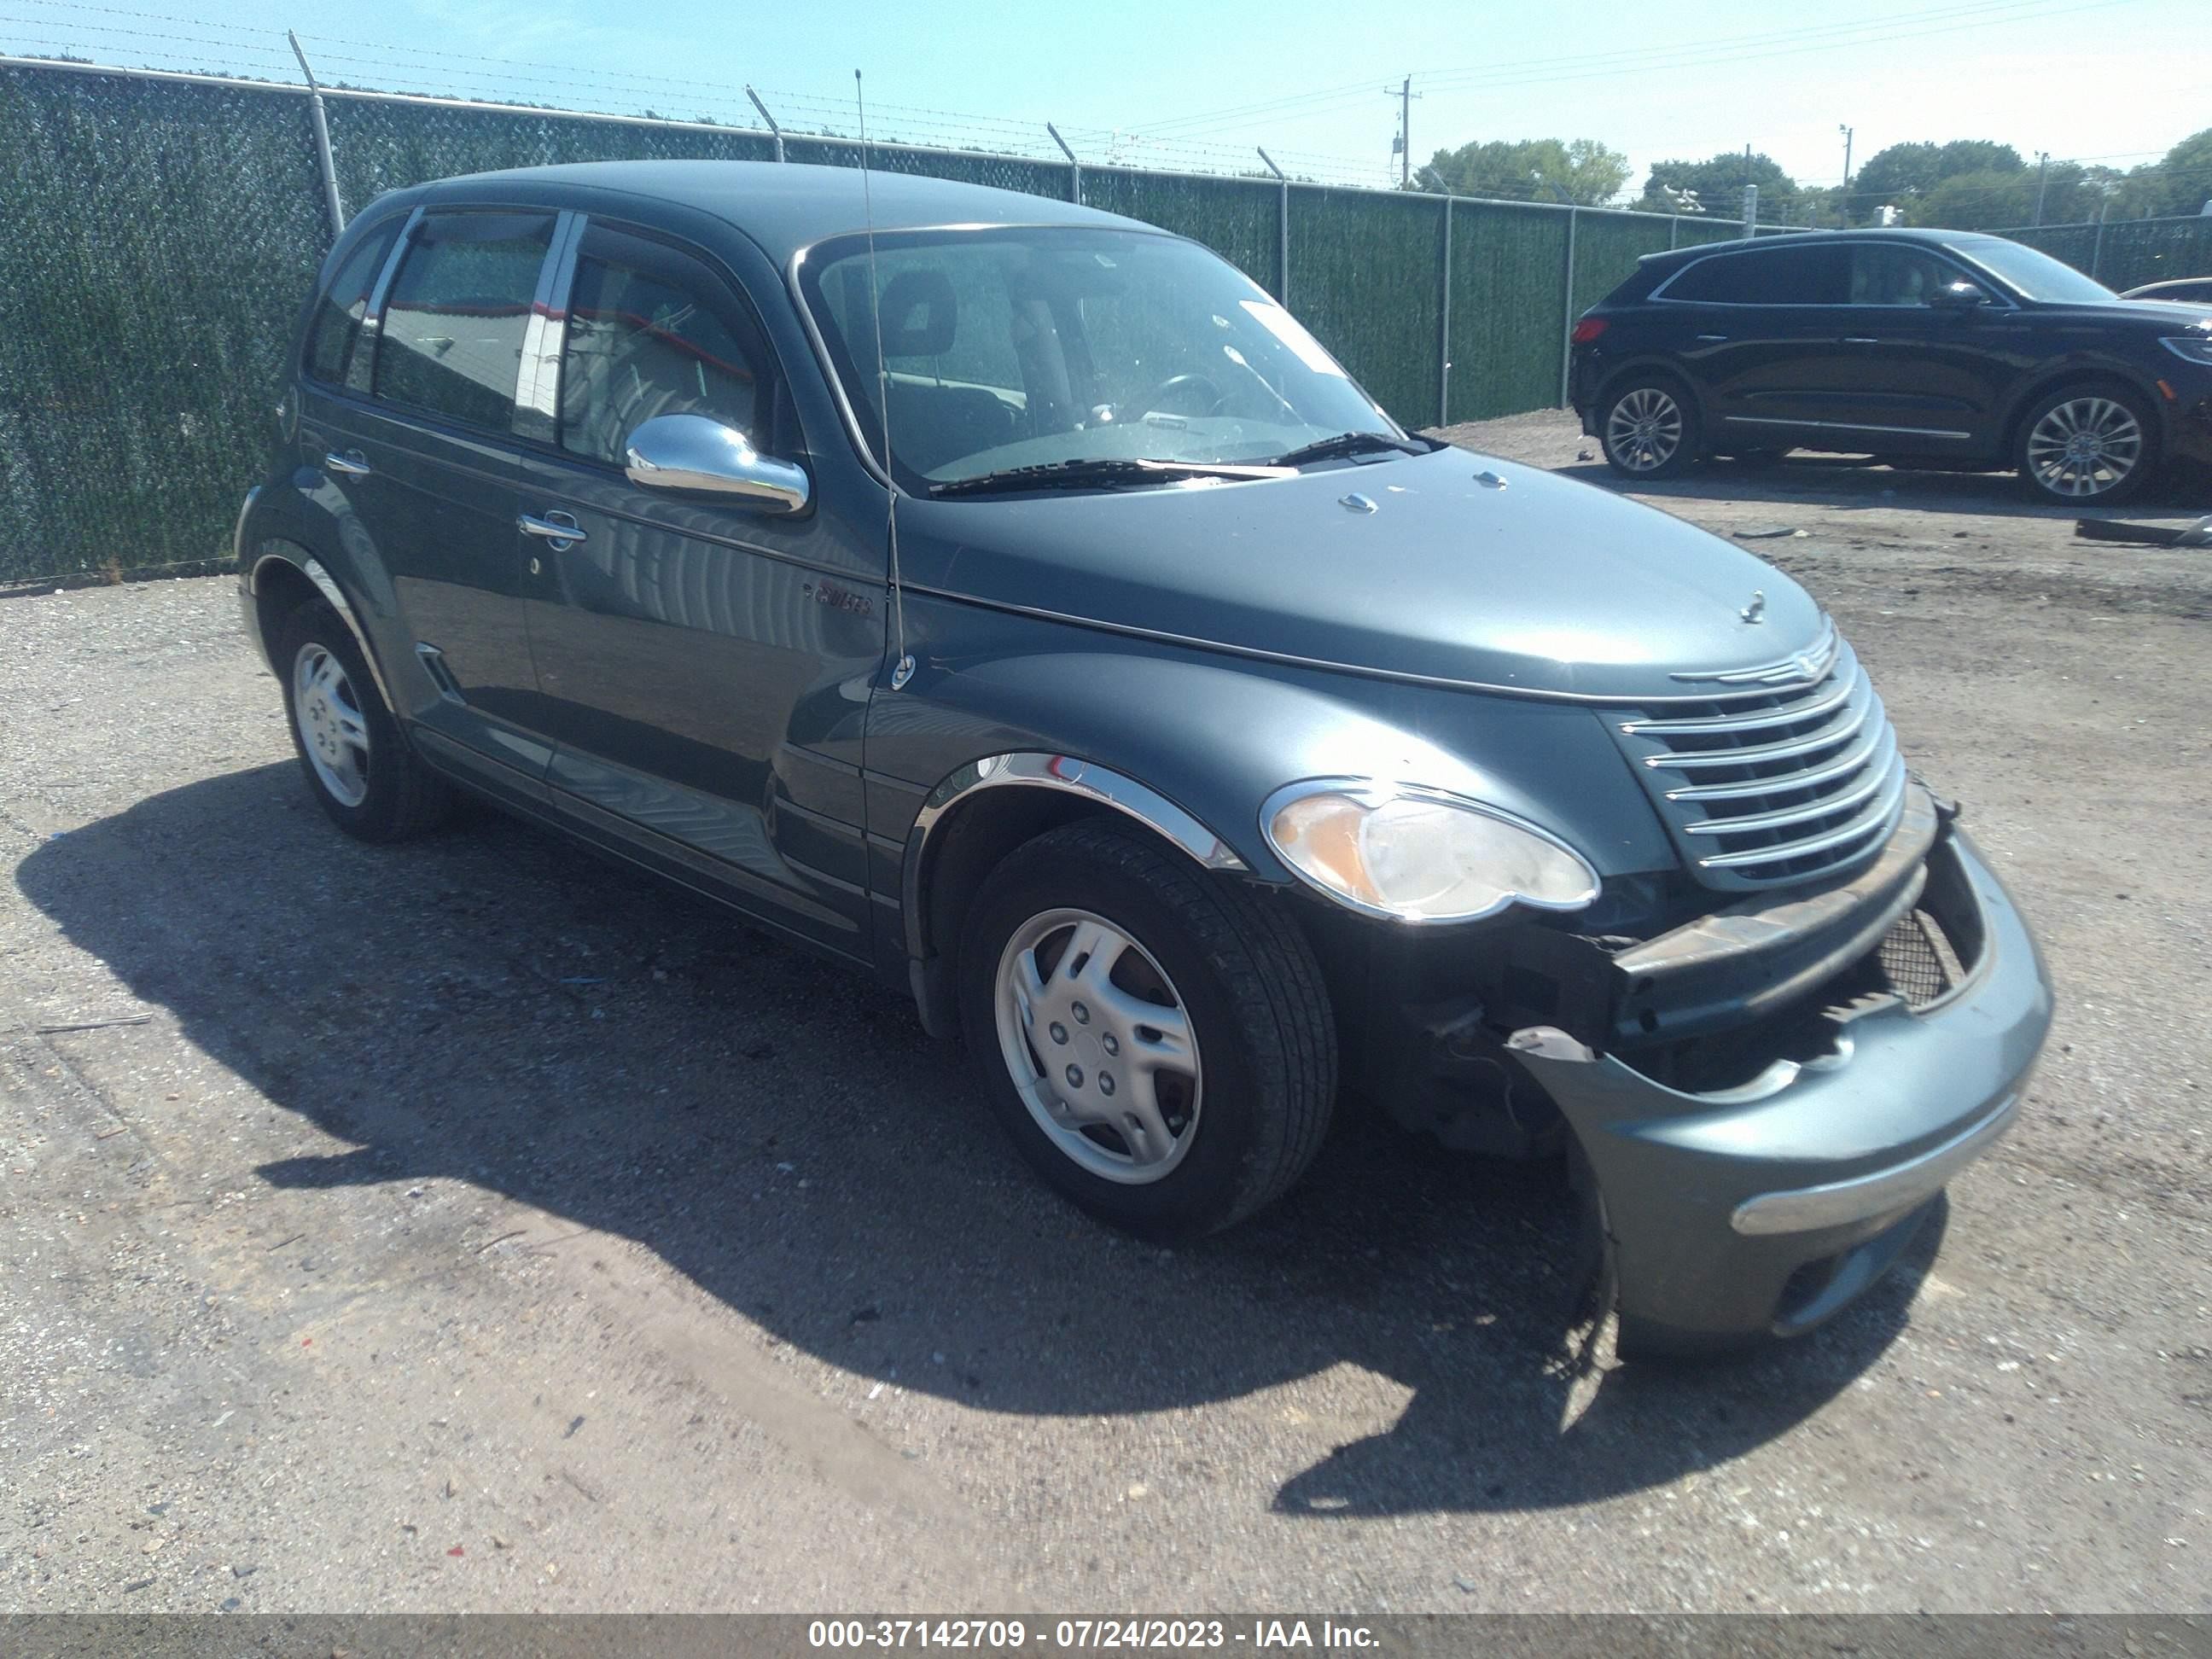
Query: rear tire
x=1156, y=1040
x=1649, y=428
x=357, y=761
x=2084, y=445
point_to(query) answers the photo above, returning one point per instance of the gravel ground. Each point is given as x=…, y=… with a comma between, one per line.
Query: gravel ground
x=472, y=1226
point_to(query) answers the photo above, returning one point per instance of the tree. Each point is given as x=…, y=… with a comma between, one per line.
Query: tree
x=1719, y=183
x=1581, y=169
x=1892, y=177
x=2005, y=200
x=2185, y=176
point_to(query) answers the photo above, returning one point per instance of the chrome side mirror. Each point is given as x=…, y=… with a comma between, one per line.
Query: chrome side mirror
x=1959, y=297
x=700, y=456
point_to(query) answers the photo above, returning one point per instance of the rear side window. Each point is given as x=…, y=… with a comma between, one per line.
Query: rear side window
x=451, y=337
x=651, y=331
x=336, y=329
x=1772, y=276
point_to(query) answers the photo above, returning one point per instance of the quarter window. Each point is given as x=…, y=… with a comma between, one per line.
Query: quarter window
x=336, y=326
x=1772, y=276
x=650, y=332
x=453, y=326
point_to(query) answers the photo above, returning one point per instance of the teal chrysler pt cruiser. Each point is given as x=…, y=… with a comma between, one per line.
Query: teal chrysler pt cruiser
x=1015, y=601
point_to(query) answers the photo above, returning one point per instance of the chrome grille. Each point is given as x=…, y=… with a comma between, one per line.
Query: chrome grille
x=1785, y=773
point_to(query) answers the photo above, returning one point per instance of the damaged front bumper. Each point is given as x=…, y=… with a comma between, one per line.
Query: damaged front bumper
x=1763, y=1205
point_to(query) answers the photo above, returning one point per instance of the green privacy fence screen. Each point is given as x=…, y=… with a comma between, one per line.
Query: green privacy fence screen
x=161, y=232
x=2129, y=252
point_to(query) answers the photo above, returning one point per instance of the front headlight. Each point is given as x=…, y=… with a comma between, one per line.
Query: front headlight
x=2190, y=348
x=1420, y=855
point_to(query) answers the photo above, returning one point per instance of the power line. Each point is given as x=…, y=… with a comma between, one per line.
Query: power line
x=1638, y=56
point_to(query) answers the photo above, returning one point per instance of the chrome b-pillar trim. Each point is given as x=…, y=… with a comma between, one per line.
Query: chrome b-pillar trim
x=1068, y=775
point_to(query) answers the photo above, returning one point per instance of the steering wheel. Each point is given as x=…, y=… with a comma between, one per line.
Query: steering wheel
x=1174, y=384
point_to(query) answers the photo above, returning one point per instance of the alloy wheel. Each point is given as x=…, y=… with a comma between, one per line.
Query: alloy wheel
x=2084, y=447
x=1100, y=1045
x=333, y=732
x=1644, y=429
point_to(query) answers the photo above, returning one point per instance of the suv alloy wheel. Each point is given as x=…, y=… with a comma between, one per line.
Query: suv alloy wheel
x=2085, y=443
x=1648, y=430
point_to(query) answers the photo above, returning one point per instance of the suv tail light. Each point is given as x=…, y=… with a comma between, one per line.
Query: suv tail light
x=1587, y=330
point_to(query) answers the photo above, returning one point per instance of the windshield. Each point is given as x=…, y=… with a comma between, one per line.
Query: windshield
x=2034, y=273
x=1043, y=346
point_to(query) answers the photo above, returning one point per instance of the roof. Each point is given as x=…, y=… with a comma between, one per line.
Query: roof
x=785, y=206
x=1827, y=239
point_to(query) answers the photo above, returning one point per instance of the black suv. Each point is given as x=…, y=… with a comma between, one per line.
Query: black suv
x=1933, y=347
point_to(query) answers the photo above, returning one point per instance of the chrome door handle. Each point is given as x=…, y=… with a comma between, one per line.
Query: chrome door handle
x=552, y=527
x=351, y=464
x=1712, y=336
x=1861, y=340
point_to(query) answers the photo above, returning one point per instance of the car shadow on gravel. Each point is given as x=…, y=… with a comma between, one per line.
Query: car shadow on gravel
x=493, y=1007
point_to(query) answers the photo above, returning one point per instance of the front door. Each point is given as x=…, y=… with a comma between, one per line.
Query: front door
x=1914, y=375
x=700, y=665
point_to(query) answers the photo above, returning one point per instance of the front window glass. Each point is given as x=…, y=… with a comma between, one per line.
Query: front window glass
x=1897, y=274
x=650, y=332
x=2036, y=275
x=460, y=305
x=1030, y=347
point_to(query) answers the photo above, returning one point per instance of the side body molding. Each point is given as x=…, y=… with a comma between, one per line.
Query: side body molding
x=1068, y=775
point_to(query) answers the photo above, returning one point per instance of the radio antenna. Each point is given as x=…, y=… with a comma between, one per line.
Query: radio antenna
x=903, y=670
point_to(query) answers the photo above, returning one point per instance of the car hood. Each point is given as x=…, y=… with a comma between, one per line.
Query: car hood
x=2169, y=315
x=1414, y=567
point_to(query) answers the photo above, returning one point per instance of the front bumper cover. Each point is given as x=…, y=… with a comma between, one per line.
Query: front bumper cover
x=1764, y=1209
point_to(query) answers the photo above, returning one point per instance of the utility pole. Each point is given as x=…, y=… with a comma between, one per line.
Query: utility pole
x=1404, y=93
x=1843, y=196
x=2042, y=181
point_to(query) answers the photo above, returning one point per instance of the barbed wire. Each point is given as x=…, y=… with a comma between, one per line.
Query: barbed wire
x=464, y=76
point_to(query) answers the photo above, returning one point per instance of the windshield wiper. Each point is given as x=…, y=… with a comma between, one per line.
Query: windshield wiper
x=1087, y=473
x=1350, y=443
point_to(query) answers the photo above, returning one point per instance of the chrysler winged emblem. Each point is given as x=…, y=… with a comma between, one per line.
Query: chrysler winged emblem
x=1756, y=610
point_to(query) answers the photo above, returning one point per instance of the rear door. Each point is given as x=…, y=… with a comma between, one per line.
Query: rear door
x=423, y=452
x=696, y=659
x=1761, y=328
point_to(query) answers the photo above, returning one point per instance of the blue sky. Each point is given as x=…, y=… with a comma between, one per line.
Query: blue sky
x=1181, y=84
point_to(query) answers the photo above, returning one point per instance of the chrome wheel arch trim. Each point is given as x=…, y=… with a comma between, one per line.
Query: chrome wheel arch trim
x=1066, y=774
x=312, y=570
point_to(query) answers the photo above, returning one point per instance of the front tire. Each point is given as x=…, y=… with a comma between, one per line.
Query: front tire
x=2084, y=444
x=357, y=762
x=1156, y=1041
x=1649, y=428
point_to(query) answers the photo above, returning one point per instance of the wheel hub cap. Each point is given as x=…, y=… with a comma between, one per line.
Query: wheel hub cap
x=333, y=732
x=1099, y=1045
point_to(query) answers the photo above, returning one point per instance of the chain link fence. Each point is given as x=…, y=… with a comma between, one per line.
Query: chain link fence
x=163, y=230
x=2128, y=252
